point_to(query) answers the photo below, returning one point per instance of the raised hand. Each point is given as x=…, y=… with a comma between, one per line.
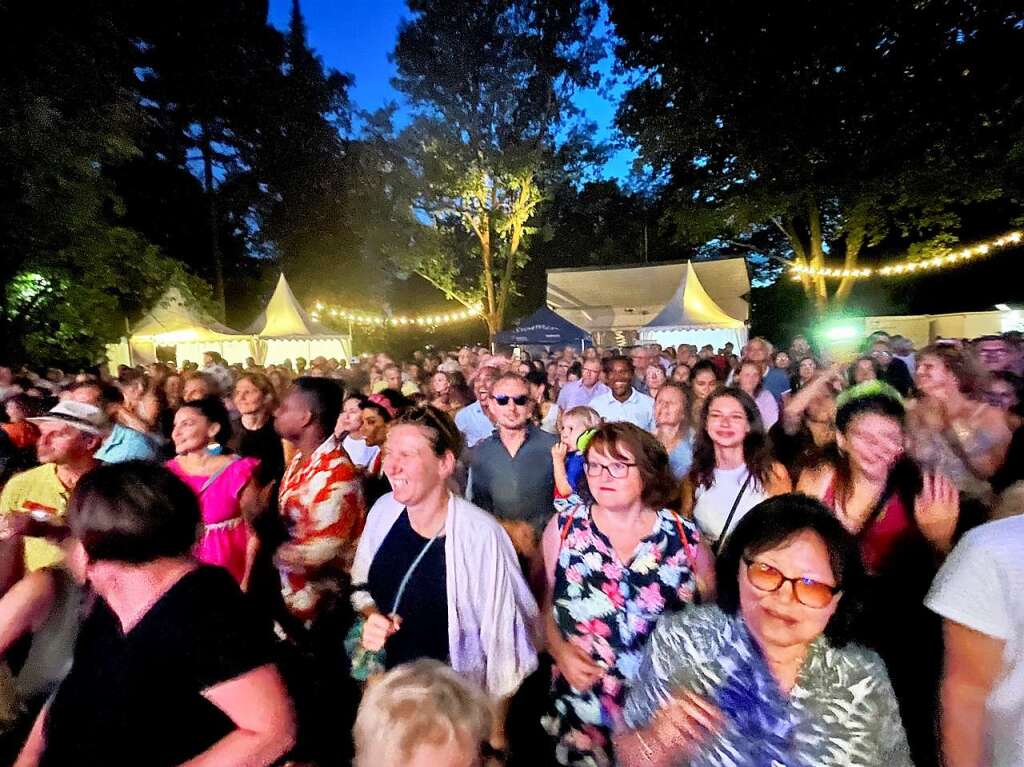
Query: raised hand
x=936, y=511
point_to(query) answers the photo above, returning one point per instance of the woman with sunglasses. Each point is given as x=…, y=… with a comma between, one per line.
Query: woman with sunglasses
x=767, y=675
x=616, y=559
x=904, y=524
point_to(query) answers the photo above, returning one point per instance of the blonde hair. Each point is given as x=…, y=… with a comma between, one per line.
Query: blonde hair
x=586, y=415
x=419, y=703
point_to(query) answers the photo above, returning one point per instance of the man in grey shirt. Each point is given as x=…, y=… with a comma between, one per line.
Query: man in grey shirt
x=511, y=473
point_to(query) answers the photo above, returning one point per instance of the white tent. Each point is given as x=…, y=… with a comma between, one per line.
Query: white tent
x=682, y=302
x=175, y=328
x=284, y=331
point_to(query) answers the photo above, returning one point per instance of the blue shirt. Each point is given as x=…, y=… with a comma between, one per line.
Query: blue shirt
x=681, y=458
x=776, y=381
x=474, y=424
x=638, y=409
x=126, y=444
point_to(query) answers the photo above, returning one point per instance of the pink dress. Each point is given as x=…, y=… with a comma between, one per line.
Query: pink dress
x=225, y=534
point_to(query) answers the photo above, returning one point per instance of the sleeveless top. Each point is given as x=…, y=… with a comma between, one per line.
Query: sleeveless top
x=882, y=535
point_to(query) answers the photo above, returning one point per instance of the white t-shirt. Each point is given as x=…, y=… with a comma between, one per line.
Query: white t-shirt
x=360, y=453
x=712, y=505
x=981, y=586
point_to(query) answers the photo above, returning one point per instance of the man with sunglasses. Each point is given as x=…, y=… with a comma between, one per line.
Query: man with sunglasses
x=511, y=474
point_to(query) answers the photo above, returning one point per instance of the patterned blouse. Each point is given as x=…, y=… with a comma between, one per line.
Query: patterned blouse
x=321, y=500
x=607, y=608
x=841, y=712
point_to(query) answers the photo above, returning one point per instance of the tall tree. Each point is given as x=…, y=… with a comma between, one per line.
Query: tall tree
x=824, y=133
x=303, y=160
x=490, y=83
x=70, y=269
x=205, y=69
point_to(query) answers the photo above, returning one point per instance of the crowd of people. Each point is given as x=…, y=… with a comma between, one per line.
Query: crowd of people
x=642, y=556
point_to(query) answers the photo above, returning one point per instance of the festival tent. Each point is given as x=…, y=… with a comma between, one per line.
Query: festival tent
x=285, y=331
x=699, y=303
x=544, y=328
x=175, y=329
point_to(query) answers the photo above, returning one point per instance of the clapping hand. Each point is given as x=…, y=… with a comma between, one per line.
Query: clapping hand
x=936, y=511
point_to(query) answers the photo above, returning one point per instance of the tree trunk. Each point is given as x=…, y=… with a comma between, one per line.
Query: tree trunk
x=817, y=257
x=212, y=222
x=856, y=233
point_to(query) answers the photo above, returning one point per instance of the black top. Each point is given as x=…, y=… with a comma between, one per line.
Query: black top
x=136, y=699
x=263, y=443
x=424, y=605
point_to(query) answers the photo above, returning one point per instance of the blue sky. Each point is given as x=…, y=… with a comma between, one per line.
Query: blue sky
x=356, y=36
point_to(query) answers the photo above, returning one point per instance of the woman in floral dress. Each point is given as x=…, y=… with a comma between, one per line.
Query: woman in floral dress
x=616, y=559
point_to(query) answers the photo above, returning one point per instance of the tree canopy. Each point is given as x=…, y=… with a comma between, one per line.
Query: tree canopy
x=821, y=131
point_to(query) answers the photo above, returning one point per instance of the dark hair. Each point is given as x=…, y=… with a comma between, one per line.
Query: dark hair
x=133, y=512
x=444, y=436
x=618, y=358
x=704, y=365
x=774, y=523
x=756, y=454
x=324, y=397
x=660, y=488
x=213, y=410
x=879, y=404
x=109, y=394
x=537, y=378
x=851, y=380
x=576, y=369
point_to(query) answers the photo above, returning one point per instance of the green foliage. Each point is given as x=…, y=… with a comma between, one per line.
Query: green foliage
x=817, y=131
x=490, y=83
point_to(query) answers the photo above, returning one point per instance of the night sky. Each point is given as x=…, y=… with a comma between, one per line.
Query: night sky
x=356, y=36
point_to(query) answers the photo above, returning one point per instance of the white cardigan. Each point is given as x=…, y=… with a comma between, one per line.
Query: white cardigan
x=492, y=616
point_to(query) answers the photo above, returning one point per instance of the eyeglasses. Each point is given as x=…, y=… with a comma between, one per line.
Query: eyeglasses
x=809, y=593
x=616, y=470
x=504, y=399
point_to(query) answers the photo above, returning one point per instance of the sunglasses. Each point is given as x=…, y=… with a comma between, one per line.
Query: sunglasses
x=809, y=593
x=504, y=399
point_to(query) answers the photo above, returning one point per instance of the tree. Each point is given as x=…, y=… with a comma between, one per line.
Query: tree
x=205, y=70
x=70, y=269
x=305, y=214
x=823, y=132
x=490, y=83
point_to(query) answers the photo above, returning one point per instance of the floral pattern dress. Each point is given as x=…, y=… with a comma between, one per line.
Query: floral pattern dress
x=608, y=608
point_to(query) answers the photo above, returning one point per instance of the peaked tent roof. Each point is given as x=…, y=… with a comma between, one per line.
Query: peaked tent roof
x=284, y=317
x=630, y=296
x=691, y=306
x=174, y=317
x=543, y=327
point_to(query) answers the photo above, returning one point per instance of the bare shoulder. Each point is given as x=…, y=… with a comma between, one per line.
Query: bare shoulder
x=814, y=479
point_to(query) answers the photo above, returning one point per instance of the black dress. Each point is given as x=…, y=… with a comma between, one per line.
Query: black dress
x=136, y=699
x=424, y=604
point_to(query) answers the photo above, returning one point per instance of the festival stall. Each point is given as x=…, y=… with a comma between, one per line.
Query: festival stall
x=542, y=330
x=176, y=330
x=698, y=303
x=284, y=331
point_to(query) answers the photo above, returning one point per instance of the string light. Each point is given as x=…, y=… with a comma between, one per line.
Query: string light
x=900, y=268
x=394, y=320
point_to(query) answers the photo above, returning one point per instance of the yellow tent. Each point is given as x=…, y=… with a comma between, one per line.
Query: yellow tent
x=285, y=331
x=176, y=330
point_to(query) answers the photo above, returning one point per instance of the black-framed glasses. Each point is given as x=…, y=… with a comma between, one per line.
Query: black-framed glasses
x=504, y=399
x=808, y=592
x=616, y=469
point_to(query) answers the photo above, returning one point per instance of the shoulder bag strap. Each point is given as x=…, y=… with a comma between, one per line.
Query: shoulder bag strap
x=732, y=513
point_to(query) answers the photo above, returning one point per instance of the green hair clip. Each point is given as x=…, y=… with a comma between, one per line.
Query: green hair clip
x=874, y=388
x=583, y=441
